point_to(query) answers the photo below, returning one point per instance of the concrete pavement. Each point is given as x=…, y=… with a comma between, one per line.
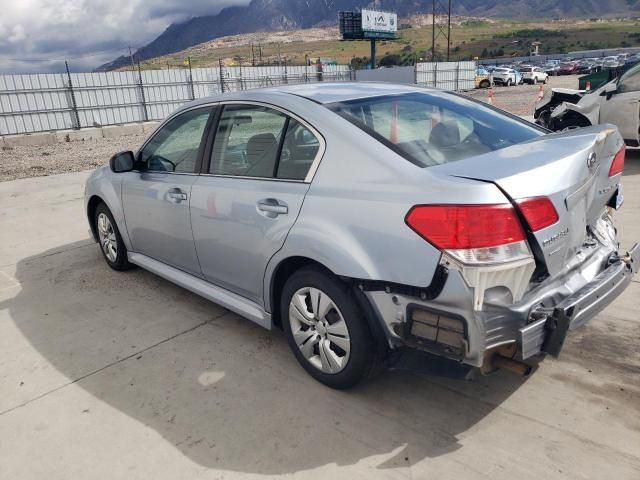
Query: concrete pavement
x=108, y=375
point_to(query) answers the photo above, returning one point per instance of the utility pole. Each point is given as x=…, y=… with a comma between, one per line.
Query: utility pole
x=439, y=28
x=449, y=31
x=133, y=65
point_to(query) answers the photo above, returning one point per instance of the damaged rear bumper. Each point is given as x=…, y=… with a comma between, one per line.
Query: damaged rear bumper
x=549, y=328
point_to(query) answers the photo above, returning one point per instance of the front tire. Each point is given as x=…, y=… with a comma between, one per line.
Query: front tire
x=111, y=244
x=509, y=83
x=326, y=328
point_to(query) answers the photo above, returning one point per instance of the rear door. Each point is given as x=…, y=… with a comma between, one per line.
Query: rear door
x=257, y=171
x=156, y=197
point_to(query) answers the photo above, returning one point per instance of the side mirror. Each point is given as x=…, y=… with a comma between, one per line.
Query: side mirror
x=611, y=88
x=122, y=162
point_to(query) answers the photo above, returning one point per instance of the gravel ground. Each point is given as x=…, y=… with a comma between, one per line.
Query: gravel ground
x=22, y=162
x=521, y=99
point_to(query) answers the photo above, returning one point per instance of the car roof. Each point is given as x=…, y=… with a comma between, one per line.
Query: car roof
x=319, y=92
x=344, y=91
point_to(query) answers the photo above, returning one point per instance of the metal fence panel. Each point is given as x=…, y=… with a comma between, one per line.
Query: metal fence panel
x=447, y=75
x=36, y=103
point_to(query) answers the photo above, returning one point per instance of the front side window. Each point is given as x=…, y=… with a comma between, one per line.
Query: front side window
x=175, y=147
x=630, y=81
x=430, y=129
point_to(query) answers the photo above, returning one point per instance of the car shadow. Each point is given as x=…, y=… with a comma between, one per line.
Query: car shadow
x=226, y=393
x=632, y=162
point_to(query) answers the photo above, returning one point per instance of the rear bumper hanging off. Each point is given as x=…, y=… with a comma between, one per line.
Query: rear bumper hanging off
x=547, y=333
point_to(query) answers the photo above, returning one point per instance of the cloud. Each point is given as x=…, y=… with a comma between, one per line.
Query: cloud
x=38, y=35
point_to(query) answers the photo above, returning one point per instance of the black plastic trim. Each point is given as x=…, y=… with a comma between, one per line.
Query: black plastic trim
x=429, y=292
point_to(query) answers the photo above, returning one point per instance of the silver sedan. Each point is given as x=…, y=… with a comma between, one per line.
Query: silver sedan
x=378, y=225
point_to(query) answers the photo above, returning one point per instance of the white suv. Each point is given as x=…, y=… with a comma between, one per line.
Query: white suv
x=534, y=75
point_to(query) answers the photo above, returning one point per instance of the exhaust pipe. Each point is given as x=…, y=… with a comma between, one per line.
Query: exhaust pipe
x=505, y=363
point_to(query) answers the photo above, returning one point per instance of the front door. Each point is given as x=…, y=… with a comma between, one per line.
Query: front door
x=250, y=194
x=156, y=198
x=622, y=108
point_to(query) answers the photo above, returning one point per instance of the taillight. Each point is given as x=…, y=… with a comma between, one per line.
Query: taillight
x=488, y=240
x=617, y=166
x=539, y=212
x=472, y=234
x=455, y=227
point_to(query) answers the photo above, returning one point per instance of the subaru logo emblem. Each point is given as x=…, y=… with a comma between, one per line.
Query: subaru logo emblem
x=591, y=161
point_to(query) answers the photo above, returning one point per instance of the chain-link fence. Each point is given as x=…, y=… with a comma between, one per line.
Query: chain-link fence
x=47, y=102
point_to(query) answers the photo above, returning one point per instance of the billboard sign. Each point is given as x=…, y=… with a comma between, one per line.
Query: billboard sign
x=383, y=22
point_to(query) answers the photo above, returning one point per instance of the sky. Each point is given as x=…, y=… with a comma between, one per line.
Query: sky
x=36, y=36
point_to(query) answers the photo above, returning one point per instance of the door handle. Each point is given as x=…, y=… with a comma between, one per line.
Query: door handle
x=176, y=195
x=272, y=207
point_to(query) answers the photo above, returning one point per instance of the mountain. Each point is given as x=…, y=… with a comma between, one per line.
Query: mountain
x=270, y=15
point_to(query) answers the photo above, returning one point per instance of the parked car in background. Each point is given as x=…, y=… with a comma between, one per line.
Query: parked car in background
x=611, y=62
x=533, y=75
x=632, y=59
x=587, y=67
x=506, y=76
x=617, y=103
x=483, y=79
x=486, y=243
x=568, y=68
x=551, y=69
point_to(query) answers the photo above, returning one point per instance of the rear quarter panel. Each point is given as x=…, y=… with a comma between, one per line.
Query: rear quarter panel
x=352, y=218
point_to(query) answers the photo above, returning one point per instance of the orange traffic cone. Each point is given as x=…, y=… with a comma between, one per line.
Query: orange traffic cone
x=588, y=86
x=541, y=93
x=490, y=96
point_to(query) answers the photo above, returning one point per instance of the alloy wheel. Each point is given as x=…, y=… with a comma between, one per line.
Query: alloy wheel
x=319, y=330
x=107, y=236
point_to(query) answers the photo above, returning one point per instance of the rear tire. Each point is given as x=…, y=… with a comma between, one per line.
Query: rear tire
x=111, y=244
x=326, y=328
x=509, y=83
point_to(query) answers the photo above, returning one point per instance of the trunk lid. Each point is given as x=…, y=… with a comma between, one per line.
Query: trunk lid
x=571, y=169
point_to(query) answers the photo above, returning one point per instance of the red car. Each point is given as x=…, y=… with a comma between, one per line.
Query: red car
x=568, y=69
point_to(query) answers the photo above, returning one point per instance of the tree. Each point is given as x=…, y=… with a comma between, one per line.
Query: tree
x=390, y=60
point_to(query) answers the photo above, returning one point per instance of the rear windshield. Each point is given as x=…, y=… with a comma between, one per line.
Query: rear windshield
x=526, y=69
x=433, y=128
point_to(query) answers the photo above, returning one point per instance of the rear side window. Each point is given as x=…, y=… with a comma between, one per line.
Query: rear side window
x=247, y=141
x=431, y=129
x=299, y=150
x=257, y=141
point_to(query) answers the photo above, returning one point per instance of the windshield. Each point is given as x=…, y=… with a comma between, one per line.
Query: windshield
x=433, y=128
